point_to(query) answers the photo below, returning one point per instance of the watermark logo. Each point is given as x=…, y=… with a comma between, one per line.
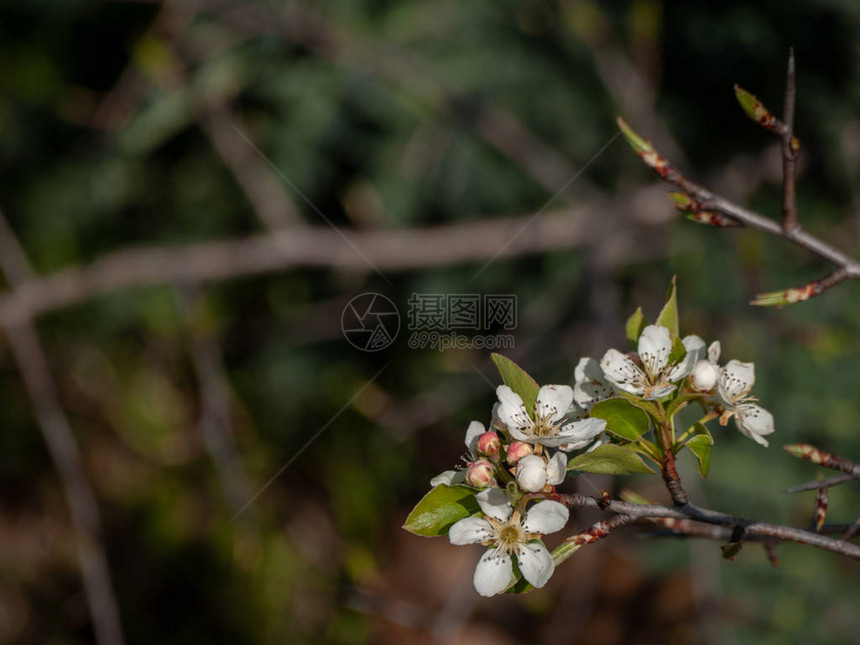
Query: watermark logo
x=370, y=322
x=441, y=321
x=438, y=320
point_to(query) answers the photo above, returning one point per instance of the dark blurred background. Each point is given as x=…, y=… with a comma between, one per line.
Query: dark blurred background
x=173, y=125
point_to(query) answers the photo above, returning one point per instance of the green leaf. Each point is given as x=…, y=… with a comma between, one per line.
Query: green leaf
x=647, y=406
x=440, y=508
x=669, y=315
x=635, y=325
x=609, y=459
x=700, y=445
x=623, y=419
x=731, y=549
x=516, y=378
x=640, y=145
x=678, y=351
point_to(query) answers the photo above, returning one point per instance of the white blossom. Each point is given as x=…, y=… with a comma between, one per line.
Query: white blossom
x=551, y=426
x=734, y=387
x=656, y=376
x=590, y=385
x=706, y=373
x=534, y=472
x=509, y=535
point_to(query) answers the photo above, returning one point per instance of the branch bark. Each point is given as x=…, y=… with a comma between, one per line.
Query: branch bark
x=393, y=250
x=33, y=365
x=739, y=525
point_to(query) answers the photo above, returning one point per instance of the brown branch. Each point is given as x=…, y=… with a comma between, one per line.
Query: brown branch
x=697, y=198
x=673, y=481
x=33, y=365
x=393, y=250
x=738, y=525
x=827, y=460
x=789, y=151
x=830, y=482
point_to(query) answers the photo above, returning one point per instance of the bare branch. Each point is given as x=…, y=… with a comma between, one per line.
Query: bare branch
x=738, y=524
x=63, y=448
x=697, y=199
x=394, y=250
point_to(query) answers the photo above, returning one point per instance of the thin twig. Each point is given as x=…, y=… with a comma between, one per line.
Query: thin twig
x=789, y=152
x=699, y=199
x=830, y=482
x=33, y=365
x=737, y=524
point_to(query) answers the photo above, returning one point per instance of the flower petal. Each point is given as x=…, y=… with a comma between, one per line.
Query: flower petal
x=475, y=430
x=736, y=381
x=493, y=573
x=754, y=421
x=494, y=503
x=577, y=434
x=553, y=401
x=556, y=469
x=531, y=473
x=546, y=517
x=587, y=369
x=536, y=563
x=512, y=410
x=704, y=376
x=449, y=478
x=657, y=393
x=470, y=530
x=695, y=347
x=587, y=393
x=655, y=345
x=714, y=351
x=622, y=372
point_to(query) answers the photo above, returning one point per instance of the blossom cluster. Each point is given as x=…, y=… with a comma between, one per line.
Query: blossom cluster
x=514, y=466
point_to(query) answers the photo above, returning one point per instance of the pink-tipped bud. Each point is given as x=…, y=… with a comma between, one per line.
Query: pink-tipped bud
x=489, y=444
x=531, y=473
x=480, y=474
x=517, y=450
x=704, y=376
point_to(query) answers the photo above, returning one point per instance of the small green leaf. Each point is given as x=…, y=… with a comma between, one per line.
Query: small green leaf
x=640, y=145
x=731, y=549
x=635, y=325
x=516, y=378
x=700, y=445
x=609, y=459
x=684, y=203
x=678, y=351
x=668, y=317
x=440, y=508
x=623, y=419
x=564, y=550
x=647, y=406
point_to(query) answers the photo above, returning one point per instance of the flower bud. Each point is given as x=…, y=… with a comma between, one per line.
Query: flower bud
x=704, y=376
x=531, y=473
x=489, y=444
x=517, y=450
x=480, y=474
